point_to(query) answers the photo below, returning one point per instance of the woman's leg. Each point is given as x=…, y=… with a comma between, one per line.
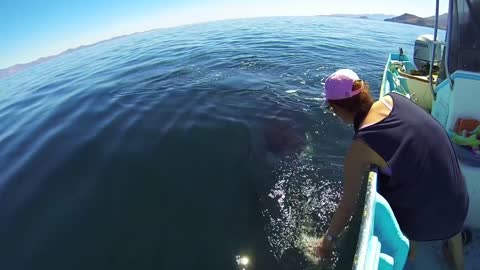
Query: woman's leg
x=455, y=249
x=412, y=252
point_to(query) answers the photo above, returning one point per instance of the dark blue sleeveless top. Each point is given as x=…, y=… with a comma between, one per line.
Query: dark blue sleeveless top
x=426, y=189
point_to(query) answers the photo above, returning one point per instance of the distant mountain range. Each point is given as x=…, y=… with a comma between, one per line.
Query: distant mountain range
x=20, y=67
x=427, y=21
x=405, y=18
x=377, y=17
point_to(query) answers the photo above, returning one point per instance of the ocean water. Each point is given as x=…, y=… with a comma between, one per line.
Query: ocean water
x=183, y=148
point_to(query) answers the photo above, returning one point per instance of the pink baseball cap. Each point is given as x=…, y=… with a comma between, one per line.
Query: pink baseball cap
x=339, y=85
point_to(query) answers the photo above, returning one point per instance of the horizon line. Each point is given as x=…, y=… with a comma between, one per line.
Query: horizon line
x=178, y=25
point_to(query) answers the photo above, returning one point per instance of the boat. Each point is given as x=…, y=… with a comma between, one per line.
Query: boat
x=444, y=79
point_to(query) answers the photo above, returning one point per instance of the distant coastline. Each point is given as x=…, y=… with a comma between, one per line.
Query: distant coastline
x=405, y=18
x=20, y=67
x=377, y=17
x=415, y=20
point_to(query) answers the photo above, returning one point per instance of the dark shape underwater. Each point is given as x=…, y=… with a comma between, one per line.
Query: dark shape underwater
x=284, y=137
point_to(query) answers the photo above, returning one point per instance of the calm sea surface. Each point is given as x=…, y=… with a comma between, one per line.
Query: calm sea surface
x=183, y=148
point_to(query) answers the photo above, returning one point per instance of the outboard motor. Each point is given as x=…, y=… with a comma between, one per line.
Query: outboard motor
x=422, y=54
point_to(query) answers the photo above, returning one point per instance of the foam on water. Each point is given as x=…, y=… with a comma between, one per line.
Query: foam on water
x=301, y=203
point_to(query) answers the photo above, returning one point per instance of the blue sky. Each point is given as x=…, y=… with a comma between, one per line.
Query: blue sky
x=30, y=29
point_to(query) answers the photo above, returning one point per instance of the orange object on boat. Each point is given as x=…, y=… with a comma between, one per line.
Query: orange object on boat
x=466, y=124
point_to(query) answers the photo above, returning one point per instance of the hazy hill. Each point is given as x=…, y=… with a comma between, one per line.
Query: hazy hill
x=442, y=20
x=19, y=67
x=415, y=20
x=378, y=17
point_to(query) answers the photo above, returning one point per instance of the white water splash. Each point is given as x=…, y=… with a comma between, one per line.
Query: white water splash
x=303, y=201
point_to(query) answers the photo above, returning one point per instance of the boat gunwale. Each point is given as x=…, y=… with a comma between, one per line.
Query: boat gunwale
x=366, y=226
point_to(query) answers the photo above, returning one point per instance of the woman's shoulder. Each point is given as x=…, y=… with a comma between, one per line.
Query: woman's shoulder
x=385, y=101
x=379, y=111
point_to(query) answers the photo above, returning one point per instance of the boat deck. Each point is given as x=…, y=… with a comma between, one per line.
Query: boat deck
x=430, y=256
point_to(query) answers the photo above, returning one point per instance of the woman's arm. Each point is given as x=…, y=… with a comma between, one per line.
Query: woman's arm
x=357, y=161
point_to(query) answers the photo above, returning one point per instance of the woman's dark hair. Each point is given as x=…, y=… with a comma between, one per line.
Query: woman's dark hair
x=359, y=104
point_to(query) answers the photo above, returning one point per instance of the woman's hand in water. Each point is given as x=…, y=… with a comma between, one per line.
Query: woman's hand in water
x=324, y=248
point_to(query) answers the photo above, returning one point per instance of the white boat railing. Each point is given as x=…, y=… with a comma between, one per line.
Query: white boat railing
x=366, y=226
x=381, y=244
